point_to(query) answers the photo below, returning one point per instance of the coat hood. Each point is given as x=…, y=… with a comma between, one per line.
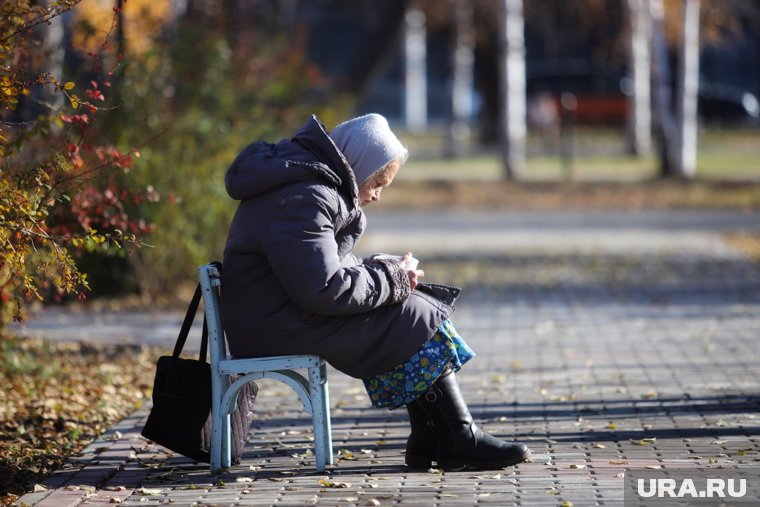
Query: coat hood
x=310, y=154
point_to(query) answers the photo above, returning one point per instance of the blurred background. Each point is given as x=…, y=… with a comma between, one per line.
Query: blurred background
x=627, y=103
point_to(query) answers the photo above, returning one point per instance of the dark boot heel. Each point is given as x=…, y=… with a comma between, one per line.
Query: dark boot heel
x=422, y=445
x=418, y=461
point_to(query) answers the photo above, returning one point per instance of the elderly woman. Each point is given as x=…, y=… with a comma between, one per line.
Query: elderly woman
x=291, y=285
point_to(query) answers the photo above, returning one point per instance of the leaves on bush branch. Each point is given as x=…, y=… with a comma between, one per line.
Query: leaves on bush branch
x=61, y=187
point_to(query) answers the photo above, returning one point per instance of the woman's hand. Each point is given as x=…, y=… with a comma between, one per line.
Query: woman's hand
x=413, y=274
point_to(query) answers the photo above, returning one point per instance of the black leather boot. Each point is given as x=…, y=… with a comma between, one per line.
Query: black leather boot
x=461, y=443
x=422, y=445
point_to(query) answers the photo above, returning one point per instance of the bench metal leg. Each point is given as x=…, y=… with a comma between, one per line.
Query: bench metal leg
x=320, y=417
x=326, y=413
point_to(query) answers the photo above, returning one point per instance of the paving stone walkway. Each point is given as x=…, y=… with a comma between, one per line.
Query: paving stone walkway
x=602, y=360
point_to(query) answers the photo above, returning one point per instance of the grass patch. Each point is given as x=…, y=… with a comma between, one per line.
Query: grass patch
x=598, y=154
x=653, y=194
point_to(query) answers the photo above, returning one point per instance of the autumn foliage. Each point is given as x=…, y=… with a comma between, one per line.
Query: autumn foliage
x=56, y=398
x=61, y=190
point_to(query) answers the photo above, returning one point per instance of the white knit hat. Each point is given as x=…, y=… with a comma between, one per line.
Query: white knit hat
x=368, y=144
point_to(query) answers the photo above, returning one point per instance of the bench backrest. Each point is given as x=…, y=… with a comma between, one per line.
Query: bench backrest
x=210, y=277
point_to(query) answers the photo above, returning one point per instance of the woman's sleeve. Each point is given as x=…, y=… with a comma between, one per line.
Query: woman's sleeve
x=303, y=253
x=351, y=260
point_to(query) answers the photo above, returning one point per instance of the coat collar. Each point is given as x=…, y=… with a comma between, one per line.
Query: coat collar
x=313, y=137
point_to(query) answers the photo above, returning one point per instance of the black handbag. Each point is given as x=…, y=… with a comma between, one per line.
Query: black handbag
x=180, y=418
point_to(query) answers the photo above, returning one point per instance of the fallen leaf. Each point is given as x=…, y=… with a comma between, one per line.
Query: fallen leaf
x=330, y=484
x=599, y=446
x=644, y=441
x=346, y=454
x=618, y=462
x=79, y=487
x=576, y=466
x=149, y=491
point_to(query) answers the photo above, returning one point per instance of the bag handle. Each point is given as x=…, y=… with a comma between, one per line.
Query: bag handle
x=187, y=323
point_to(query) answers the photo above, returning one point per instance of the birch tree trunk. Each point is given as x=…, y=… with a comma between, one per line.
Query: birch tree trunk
x=48, y=40
x=688, y=87
x=462, y=77
x=513, y=100
x=665, y=124
x=415, y=103
x=640, y=107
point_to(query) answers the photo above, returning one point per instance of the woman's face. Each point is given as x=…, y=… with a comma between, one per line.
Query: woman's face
x=370, y=190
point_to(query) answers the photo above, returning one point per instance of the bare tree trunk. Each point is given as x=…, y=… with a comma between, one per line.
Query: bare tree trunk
x=665, y=125
x=415, y=105
x=513, y=110
x=49, y=43
x=462, y=77
x=688, y=87
x=640, y=107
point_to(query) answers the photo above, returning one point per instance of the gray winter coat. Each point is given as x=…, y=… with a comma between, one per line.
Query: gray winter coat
x=290, y=283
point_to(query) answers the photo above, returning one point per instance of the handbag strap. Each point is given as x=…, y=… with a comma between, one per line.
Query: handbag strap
x=187, y=323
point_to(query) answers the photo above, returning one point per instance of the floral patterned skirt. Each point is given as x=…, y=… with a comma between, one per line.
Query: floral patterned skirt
x=410, y=379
